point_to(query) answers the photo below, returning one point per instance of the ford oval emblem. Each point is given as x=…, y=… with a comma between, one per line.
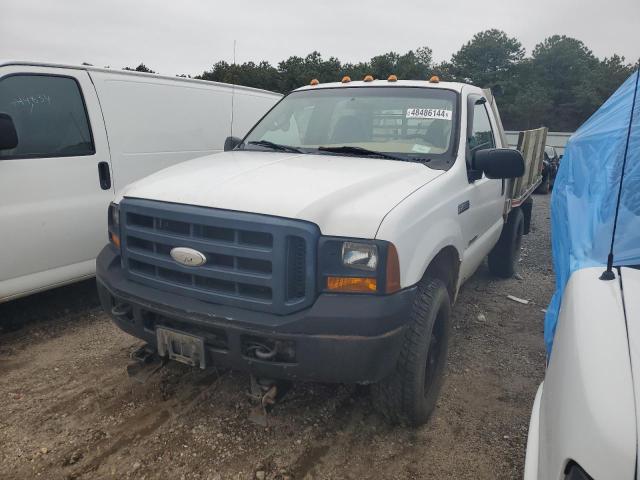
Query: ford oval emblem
x=188, y=256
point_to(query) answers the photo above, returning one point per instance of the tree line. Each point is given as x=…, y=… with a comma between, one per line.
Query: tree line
x=558, y=86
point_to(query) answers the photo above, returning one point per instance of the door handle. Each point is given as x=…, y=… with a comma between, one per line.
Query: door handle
x=105, y=175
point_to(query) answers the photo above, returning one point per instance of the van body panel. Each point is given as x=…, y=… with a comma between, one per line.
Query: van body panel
x=53, y=208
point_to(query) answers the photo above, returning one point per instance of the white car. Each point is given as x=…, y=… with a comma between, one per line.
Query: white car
x=584, y=422
x=329, y=245
x=71, y=137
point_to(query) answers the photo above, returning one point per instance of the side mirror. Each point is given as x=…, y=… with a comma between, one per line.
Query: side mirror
x=497, y=163
x=231, y=142
x=8, y=134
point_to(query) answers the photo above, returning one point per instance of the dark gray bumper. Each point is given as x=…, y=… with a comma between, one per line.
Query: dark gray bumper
x=340, y=338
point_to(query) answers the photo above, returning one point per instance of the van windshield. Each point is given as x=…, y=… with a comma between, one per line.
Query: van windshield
x=410, y=123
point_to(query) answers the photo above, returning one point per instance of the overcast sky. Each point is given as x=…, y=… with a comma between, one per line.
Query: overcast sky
x=188, y=36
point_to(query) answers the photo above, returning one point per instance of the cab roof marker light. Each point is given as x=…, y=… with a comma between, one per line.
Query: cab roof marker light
x=434, y=79
x=346, y=79
x=314, y=82
x=392, y=78
x=368, y=78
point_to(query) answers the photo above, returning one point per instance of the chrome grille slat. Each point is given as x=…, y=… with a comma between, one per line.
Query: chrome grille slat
x=197, y=243
x=254, y=261
x=204, y=271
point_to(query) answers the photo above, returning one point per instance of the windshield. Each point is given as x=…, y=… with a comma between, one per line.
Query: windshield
x=407, y=122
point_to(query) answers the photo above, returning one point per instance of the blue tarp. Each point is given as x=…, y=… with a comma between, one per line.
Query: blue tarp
x=585, y=193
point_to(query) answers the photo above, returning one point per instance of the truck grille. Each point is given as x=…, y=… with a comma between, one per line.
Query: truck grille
x=253, y=261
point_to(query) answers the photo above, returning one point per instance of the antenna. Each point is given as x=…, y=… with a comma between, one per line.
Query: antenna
x=233, y=85
x=608, y=273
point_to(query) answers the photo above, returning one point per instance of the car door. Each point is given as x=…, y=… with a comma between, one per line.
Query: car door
x=55, y=185
x=483, y=219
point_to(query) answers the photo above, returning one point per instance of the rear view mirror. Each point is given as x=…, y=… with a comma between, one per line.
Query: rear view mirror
x=497, y=163
x=231, y=142
x=8, y=134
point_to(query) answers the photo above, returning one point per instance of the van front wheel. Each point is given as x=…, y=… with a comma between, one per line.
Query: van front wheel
x=409, y=394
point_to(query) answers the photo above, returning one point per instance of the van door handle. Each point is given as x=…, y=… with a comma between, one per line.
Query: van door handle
x=105, y=175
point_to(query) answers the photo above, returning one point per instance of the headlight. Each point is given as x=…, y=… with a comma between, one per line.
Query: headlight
x=113, y=222
x=358, y=266
x=361, y=256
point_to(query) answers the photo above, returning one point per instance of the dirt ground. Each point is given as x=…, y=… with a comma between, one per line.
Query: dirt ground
x=69, y=410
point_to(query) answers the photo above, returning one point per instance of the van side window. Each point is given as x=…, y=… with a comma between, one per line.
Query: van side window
x=481, y=135
x=49, y=115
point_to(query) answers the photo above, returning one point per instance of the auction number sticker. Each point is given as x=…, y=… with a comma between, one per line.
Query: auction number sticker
x=429, y=113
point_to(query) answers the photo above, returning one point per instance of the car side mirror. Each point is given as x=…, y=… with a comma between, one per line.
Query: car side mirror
x=8, y=134
x=499, y=163
x=231, y=142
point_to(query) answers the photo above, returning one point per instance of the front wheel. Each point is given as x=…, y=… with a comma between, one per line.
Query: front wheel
x=504, y=257
x=409, y=394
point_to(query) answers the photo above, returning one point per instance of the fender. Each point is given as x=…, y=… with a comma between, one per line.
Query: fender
x=422, y=225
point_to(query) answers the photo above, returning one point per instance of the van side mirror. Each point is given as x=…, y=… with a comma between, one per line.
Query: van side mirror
x=8, y=134
x=231, y=142
x=499, y=163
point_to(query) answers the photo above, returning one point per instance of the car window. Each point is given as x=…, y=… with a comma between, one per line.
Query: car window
x=481, y=136
x=411, y=122
x=49, y=116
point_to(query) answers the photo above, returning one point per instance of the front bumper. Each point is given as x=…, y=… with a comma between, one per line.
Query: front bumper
x=346, y=338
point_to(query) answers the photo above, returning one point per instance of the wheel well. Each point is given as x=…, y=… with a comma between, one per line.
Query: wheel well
x=446, y=266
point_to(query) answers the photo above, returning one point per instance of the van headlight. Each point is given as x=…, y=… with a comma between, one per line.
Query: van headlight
x=358, y=266
x=113, y=222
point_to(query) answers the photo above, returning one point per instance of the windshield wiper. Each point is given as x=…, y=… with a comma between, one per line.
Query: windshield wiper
x=275, y=146
x=362, y=151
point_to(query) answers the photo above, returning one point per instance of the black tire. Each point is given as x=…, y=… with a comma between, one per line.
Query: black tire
x=545, y=186
x=408, y=396
x=504, y=257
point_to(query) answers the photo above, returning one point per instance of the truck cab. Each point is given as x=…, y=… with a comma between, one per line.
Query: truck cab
x=328, y=244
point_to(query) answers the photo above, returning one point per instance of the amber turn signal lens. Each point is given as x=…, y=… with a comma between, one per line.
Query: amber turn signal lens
x=351, y=284
x=393, y=270
x=115, y=239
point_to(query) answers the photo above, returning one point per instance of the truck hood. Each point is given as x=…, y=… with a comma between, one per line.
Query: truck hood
x=343, y=195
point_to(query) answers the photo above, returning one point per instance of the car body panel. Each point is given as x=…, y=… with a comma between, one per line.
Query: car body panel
x=631, y=291
x=587, y=409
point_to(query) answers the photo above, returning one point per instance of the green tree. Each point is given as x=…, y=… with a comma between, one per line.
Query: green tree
x=567, y=69
x=140, y=68
x=487, y=58
x=410, y=66
x=297, y=71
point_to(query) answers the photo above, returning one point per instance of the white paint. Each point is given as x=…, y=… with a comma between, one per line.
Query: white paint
x=53, y=211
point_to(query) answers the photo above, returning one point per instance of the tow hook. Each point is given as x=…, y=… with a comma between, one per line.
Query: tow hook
x=145, y=362
x=121, y=310
x=266, y=393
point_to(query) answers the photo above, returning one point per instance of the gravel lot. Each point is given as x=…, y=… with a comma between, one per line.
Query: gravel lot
x=70, y=411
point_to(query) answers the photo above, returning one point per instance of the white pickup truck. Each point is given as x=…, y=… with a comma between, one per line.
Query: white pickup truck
x=329, y=244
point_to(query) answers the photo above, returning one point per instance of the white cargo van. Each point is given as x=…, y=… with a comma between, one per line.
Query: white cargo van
x=83, y=133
